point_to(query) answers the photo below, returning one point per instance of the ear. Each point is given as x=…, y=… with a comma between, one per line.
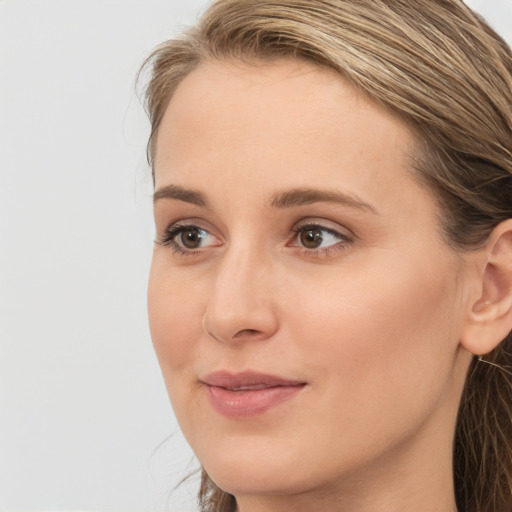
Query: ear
x=490, y=310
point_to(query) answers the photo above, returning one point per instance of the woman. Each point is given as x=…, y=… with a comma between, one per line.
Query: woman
x=330, y=295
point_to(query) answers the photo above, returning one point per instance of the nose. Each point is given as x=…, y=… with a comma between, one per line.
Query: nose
x=241, y=304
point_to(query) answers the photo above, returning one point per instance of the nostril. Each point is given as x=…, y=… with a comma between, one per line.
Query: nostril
x=247, y=332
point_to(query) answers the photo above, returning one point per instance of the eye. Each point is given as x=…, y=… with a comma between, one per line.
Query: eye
x=315, y=237
x=188, y=238
x=191, y=237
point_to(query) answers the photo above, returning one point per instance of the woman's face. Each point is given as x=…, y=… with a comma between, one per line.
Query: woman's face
x=303, y=305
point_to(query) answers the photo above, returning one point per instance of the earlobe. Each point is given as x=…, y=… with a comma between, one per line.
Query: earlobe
x=490, y=315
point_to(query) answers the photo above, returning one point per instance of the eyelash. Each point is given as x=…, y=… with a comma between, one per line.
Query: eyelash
x=172, y=232
x=175, y=230
x=341, y=245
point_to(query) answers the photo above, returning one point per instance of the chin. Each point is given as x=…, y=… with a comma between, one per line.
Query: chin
x=261, y=483
x=245, y=473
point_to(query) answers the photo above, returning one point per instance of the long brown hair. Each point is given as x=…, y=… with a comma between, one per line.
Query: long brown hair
x=440, y=67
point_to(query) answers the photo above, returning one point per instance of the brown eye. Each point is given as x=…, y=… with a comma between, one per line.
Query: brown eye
x=184, y=239
x=191, y=237
x=318, y=239
x=311, y=237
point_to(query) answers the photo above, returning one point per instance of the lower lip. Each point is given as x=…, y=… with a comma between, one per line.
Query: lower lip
x=249, y=403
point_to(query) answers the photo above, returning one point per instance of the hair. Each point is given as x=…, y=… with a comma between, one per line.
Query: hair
x=439, y=66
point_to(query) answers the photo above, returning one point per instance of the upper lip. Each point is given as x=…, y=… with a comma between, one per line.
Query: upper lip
x=247, y=380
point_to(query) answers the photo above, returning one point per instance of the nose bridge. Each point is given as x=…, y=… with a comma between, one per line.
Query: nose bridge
x=241, y=305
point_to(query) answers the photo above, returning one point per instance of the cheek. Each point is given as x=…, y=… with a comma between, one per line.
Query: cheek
x=388, y=338
x=175, y=309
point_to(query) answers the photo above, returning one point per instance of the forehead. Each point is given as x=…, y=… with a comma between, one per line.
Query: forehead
x=284, y=123
x=222, y=83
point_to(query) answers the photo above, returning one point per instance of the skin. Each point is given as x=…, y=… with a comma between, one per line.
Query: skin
x=371, y=319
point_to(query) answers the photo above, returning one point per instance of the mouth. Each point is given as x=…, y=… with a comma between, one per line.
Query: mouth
x=248, y=394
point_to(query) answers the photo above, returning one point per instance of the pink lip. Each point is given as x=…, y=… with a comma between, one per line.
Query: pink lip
x=247, y=394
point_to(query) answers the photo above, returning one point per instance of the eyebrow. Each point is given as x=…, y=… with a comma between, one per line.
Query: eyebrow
x=304, y=196
x=180, y=194
x=286, y=199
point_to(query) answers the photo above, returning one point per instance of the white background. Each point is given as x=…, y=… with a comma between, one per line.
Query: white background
x=83, y=409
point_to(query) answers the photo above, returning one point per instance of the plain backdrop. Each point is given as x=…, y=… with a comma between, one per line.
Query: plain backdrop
x=85, y=422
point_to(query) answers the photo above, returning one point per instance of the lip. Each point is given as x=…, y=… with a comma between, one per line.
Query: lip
x=248, y=394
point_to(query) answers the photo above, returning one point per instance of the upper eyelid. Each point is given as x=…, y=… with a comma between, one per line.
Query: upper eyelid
x=177, y=228
x=343, y=238
x=328, y=225
x=190, y=222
